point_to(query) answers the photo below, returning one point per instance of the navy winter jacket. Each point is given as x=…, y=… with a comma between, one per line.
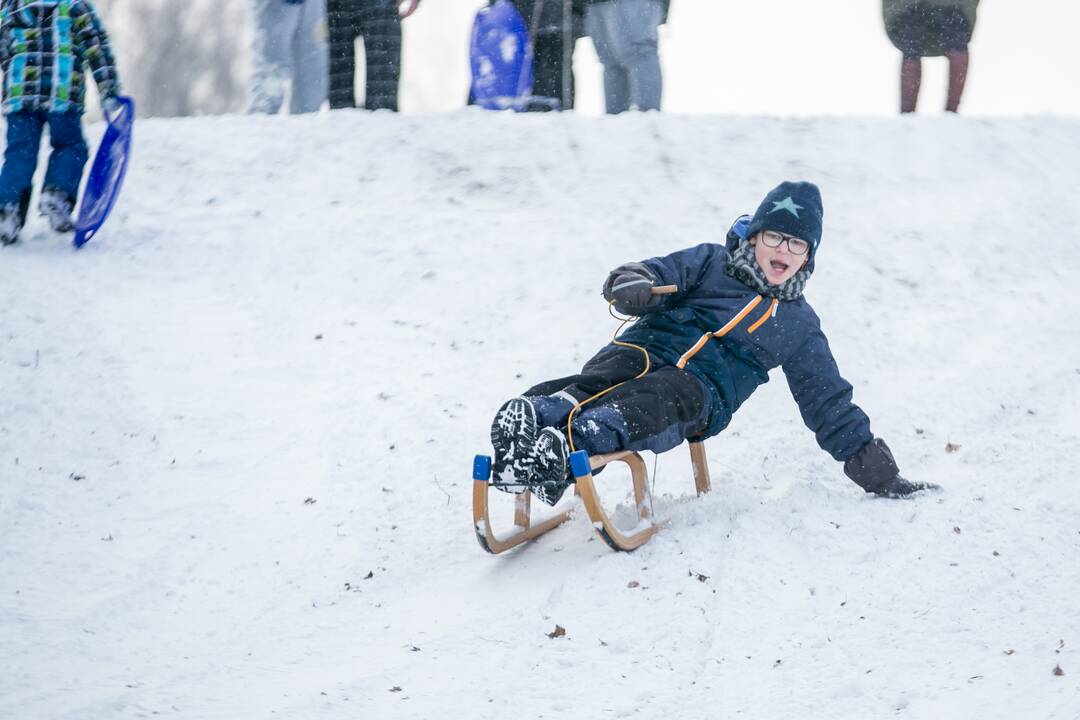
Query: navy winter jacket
x=728, y=335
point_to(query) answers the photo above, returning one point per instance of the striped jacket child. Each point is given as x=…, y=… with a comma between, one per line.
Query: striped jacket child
x=45, y=46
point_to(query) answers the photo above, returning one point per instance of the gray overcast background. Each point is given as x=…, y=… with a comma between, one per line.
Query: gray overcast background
x=721, y=56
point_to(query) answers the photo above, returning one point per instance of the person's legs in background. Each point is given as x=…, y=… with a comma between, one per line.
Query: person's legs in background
x=60, y=189
x=342, y=20
x=910, y=81
x=958, y=68
x=309, y=53
x=275, y=23
x=931, y=31
x=637, y=50
x=381, y=27
x=20, y=159
x=956, y=33
x=548, y=68
x=908, y=33
x=600, y=25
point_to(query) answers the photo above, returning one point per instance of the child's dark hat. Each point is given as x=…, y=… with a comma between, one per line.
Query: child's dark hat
x=791, y=208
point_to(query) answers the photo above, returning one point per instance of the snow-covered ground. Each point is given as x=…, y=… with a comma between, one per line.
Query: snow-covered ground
x=236, y=429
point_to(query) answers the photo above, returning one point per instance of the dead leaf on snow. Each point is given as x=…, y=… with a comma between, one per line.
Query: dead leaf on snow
x=1058, y=671
x=558, y=632
x=951, y=447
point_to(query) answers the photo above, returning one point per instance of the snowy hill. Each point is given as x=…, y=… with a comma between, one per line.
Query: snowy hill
x=237, y=428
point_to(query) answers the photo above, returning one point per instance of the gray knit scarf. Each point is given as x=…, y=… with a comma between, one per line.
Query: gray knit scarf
x=743, y=266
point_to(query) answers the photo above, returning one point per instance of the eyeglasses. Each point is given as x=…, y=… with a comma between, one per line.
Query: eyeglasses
x=773, y=239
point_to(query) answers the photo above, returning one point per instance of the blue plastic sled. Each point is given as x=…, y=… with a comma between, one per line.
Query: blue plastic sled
x=107, y=173
x=501, y=58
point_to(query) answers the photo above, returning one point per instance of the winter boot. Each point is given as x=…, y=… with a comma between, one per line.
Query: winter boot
x=552, y=475
x=57, y=206
x=9, y=224
x=513, y=436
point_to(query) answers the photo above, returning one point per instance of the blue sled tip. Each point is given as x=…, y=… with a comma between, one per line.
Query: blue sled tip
x=579, y=463
x=481, y=467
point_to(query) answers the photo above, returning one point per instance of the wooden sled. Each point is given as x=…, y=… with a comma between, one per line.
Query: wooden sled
x=582, y=467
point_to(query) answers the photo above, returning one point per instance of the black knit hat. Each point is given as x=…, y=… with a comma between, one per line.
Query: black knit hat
x=792, y=208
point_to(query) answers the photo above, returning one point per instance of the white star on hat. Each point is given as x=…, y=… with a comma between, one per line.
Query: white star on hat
x=786, y=204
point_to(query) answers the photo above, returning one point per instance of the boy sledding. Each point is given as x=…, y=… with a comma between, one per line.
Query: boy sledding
x=737, y=311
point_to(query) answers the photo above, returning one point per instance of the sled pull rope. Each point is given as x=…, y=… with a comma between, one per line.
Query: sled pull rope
x=657, y=290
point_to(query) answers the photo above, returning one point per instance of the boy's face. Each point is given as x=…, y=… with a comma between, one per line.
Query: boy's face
x=778, y=263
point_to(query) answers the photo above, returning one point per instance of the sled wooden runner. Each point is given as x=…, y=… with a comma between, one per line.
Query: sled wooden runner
x=523, y=530
x=582, y=467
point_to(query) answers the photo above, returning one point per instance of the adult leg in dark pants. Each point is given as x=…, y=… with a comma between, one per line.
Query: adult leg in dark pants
x=548, y=68
x=381, y=27
x=343, y=25
x=379, y=24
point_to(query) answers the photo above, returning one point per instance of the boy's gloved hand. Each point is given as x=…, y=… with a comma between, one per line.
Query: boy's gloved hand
x=874, y=470
x=630, y=286
x=900, y=487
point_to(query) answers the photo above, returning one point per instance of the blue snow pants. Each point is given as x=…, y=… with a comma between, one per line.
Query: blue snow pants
x=656, y=412
x=66, y=161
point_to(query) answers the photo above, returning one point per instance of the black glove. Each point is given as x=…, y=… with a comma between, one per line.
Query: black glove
x=900, y=487
x=630, y=286
x=874, y=470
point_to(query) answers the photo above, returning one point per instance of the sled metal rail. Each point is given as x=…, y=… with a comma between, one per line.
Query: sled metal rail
x=582, y=467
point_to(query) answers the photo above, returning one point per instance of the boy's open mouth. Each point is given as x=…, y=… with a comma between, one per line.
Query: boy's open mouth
x=778, y=266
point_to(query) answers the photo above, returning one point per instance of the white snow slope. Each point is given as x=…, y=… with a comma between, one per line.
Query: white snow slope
x=236, y=430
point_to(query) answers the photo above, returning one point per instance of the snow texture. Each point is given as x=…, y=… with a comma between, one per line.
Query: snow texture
x=237, y=428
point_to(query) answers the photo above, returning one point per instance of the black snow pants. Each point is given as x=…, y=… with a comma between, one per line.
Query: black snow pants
x=548, y=68
x=377, y=21
x=657, y=412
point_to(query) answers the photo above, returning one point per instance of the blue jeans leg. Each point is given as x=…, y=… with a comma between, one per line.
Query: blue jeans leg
x=601, y=26
x=625, y=34
x=20, y=155
x=69, y=154
x=639, y=21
